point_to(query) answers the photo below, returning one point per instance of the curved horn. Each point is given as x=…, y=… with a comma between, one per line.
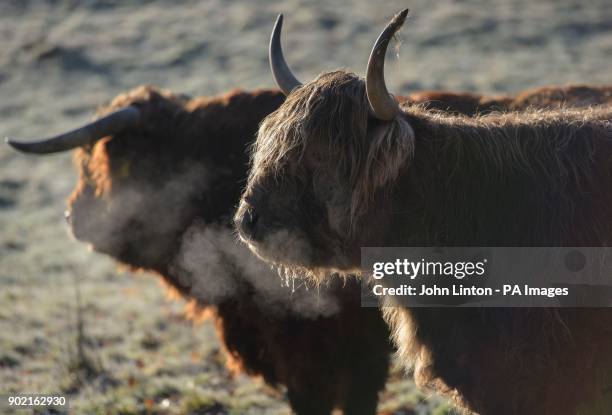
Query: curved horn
x=280, y=70
x=113, y=123
x=382, y=105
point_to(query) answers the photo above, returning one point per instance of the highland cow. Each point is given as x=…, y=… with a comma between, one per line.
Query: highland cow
x=341, y=165
x=159, y=179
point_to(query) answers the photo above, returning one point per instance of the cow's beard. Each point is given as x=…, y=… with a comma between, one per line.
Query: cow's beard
x=282, y=246
x=293, y=252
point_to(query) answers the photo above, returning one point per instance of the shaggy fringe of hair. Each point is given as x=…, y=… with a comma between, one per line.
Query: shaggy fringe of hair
x=334, y=106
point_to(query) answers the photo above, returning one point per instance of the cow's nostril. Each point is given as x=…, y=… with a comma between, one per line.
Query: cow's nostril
x=249, y=221
x=68, y=216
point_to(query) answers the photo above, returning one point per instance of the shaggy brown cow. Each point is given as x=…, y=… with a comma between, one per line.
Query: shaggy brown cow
x=340, y=166
x=175, y=174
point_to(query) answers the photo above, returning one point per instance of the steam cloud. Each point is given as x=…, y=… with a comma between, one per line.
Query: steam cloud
x=210, y=261
x=142, y=211
x=218, y=267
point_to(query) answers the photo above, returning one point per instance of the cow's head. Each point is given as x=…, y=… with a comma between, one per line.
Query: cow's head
x=334, y=146
x=146, y=169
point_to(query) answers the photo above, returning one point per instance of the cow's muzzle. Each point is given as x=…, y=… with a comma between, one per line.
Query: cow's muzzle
x=247, y=222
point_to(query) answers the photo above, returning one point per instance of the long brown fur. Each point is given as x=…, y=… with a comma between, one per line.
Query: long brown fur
x=427, y=178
